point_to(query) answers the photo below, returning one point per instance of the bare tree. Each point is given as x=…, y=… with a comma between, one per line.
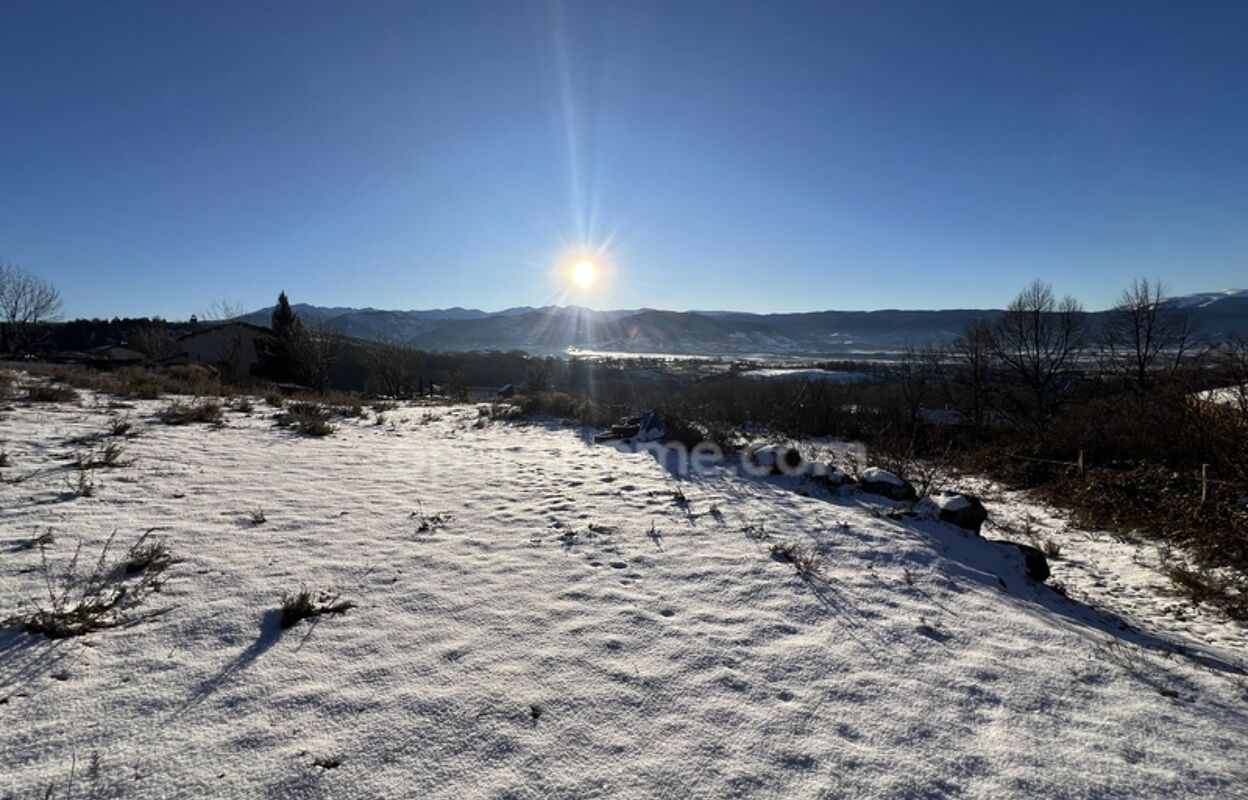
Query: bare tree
x=26, y=301
x=222, y=309
x=972, y=356
x=1144, y=334
x=316, y=349
x=1233, y=361
x=919, y=370
x=153, y=340
x=1039, y=341
x=394, y=368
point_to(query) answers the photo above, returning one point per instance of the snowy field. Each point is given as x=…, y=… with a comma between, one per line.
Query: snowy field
x=537, y=616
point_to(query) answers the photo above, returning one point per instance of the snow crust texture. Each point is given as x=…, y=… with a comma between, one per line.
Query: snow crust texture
x=541, y=617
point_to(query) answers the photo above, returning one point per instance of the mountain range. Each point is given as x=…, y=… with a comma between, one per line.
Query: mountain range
x=555, y=329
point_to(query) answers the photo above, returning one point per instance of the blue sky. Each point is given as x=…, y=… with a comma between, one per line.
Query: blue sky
x=754, y=156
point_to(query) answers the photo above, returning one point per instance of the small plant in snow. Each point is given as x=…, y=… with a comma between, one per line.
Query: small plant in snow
x=430, y=522
x=87, y=783
x=108, y=454
x=5, y=461
x=655, y=535
x=257, y=516
x=84, y=486
x=806, y=562
x=122, y=427
x=305, y=605
x=756, y=530
x=44, y=539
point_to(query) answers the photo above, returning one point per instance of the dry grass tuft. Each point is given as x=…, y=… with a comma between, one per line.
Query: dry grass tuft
x=304, y=605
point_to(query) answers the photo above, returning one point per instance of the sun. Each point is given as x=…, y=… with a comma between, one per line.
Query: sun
x=584, y=274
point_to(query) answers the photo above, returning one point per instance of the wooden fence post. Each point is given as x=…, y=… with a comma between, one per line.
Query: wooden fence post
x=1081, y=462
x=1204, y=483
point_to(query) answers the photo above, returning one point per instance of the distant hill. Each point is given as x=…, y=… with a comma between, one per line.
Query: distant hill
x=553, y=329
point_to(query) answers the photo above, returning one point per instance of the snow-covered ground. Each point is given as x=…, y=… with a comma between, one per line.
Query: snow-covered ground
x=573, y=621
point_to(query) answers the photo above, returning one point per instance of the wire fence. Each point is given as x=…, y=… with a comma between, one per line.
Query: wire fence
x=1204, y=481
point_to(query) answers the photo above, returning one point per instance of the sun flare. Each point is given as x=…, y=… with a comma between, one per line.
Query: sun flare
x=584, y=274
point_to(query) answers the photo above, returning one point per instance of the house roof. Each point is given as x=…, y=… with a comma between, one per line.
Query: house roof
x=231, y=324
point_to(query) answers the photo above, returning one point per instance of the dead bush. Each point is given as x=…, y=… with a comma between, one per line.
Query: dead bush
x=200, y=411
x=1215, y=588
x=80, y=600
x=83, y=486
x=308, y=419
x=105, y=455
x=51, y=393
x=806, y=562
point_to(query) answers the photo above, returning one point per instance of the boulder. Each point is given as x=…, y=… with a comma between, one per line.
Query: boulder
x=882, y=482
x=963, y=510
x=1037, y=564
x=777, y=458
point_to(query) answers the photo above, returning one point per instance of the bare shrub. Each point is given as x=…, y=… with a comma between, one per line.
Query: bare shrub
x=430, y=522
x=138, y=384
x=83, y=486
x=44, y=539
x=122, y=427
x=304, y=604
x=1219, y=589
x=308, y=419
x=806, y=562
x=105, y=455
x=352, y=411
x=50, y=393
x=80, y=601
x=203, y=411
